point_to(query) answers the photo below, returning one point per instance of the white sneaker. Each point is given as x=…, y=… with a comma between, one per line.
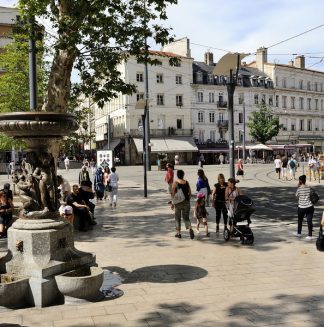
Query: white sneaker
x=308, y=238
x=297, y=235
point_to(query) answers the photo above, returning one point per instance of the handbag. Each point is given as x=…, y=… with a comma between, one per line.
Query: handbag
x=313, y=196
x=320, y=240
x=178, y=197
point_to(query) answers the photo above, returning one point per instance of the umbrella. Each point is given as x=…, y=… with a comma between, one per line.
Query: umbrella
x=260, y=147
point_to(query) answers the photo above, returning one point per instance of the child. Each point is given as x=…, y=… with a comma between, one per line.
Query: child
x=201, y=213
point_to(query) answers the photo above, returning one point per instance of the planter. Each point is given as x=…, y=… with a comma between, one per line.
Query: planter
x=13, y=291
x=81, y=284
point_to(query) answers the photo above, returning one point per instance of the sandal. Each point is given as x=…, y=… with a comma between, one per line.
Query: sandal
x=192, y=235
x=177, y=235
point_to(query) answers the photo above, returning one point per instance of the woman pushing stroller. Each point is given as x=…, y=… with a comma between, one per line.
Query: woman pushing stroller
x=231, y=192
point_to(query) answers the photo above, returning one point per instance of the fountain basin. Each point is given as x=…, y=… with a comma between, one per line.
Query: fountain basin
x=14, y=291
x=81, y=285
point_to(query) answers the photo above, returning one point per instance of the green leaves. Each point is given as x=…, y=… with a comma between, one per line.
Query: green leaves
x=263, y=124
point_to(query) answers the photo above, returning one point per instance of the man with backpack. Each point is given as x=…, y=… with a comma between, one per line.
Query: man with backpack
x=292, y=164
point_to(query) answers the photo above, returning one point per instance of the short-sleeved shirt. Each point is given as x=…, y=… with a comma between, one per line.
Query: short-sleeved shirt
x=303, y=194
x=277, y=163
x=73, y=198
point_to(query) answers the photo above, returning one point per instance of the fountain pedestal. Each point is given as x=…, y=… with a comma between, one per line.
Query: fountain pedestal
x=40, y=243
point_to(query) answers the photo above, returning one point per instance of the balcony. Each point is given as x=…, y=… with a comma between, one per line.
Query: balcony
x=222, y=124
x=171, y=131
x=221, y=104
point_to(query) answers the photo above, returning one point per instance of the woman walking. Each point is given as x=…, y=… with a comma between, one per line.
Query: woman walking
x=202, y=185
x=218, y=197
x=305, y=207
x=113, y=183
x=106, y=182
x=239, y=168
x=231, y=193
x=182, y=208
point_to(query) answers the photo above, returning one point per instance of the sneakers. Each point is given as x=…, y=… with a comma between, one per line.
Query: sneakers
x=177, y=235
x=297, y=235
x=308, y=238
x=191, y=232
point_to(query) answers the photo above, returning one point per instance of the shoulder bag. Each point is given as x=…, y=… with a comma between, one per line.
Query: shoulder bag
x=313, y=196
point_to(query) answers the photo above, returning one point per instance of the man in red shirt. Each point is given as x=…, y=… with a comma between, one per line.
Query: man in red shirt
x=169, y=178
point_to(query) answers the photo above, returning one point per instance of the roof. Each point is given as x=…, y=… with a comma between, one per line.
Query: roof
x=166, y=54
x=203, y=66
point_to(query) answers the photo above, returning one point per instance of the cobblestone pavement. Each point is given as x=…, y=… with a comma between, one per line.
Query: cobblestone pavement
x=202, y=282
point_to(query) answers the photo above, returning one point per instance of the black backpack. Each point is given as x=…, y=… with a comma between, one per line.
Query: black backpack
x=313, y=196
x=320, y=241
x=292, y=164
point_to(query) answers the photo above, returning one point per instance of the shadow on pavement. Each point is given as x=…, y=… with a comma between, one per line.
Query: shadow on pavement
x=160, y=274
x=285, y=310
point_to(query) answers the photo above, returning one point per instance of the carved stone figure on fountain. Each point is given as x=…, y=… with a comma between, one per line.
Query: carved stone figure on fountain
x=27, y=194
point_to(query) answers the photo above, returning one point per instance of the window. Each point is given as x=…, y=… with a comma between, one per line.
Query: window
x=321, y=87
x=212, y=117
x=284, y=101
x=316, y=104
x=241, y=98
x=277, y=100
x=211, y=97
x=210, y=79
x=293, y=124
x=263, y=100
x=292, y=83
x=308, y=86
x=301, y=125
x=179, y=123
x=179, y=101
x=301, y=84
x=159, y=78
x=292, y=102
x=284, y=83
x=315, y=86
x=309, y=103
x=139, y=96
x=256, y=99
x=301, y=103
x=309, y=125
x=201, y=136
x=199, y=76
x=139, y=77
x=160, y=99
x=240, y=117
x=221, y=117
x=213, y=136
x=270, y=100
x=200, y=97
x=200, y=117
x=178, y=79
x=322, y=107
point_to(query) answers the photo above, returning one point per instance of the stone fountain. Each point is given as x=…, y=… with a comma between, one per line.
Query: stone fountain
x=40, y=243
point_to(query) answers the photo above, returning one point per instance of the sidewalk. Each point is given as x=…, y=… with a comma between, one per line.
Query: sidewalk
x=181, y=282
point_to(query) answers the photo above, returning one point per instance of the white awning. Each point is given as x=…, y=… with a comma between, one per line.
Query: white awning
x=174, y=144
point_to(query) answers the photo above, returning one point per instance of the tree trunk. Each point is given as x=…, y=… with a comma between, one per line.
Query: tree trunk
x=59, y=84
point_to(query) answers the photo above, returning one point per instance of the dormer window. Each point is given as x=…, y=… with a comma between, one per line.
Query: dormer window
x=199, y=76
x=210, y=79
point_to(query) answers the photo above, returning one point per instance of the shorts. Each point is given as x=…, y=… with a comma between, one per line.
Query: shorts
x=278, y=170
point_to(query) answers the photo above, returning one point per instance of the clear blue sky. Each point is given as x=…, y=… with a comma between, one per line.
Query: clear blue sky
x=244, y=26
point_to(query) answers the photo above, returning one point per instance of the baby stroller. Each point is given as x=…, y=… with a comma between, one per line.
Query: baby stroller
x=243, y=208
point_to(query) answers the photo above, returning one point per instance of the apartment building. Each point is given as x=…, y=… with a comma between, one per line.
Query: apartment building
x=8, y=17
x=169, y=111
x=298, y=99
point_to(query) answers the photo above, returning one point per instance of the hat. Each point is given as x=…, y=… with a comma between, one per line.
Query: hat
x=68, y=210
x=200, y=195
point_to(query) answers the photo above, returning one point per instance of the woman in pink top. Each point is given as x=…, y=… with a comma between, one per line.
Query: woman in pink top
x=106, y=183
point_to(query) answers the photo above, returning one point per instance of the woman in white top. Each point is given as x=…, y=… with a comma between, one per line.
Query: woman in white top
x=278, y=164
x=231, y=192
x=113, y=183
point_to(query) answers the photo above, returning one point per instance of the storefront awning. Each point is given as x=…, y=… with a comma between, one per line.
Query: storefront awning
x=214, y=150
x=174, y=144
x=113, y=144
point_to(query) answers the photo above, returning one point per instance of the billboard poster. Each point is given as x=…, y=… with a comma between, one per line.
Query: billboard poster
x=105, y=158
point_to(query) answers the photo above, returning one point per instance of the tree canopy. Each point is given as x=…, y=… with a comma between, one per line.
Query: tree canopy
x=94, y=37
x=263, y=124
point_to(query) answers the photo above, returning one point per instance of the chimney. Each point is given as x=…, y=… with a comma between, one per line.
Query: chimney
x=261, y=58
x=300, y=62
x=291, y=63
x=209, y=58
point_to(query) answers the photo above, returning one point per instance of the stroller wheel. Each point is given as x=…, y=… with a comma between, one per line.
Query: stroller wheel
x=251, y=239
x=226, y=234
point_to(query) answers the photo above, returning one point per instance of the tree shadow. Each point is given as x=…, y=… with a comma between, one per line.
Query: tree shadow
x=160, y=274
x=284, y=311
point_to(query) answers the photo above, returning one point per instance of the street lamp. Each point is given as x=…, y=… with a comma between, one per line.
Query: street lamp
x=225, y=67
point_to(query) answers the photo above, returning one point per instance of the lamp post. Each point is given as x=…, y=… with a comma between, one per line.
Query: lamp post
x=243, y=143
x=32, y=67
x=225, y=67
